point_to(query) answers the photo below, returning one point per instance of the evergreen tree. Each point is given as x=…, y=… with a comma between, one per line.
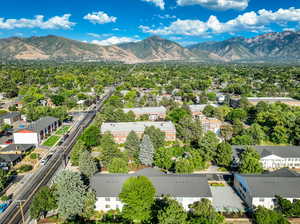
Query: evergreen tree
x=146, y=151
x=87, y=164
x=109, y=149
x=132, y=145
x=70, y=192
x=157, y=137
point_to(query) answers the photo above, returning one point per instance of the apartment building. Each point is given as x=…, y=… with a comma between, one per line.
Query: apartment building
x=121, y=130
x=186, y=189
x=261, y=189
x=37, y=131
x=272, y=157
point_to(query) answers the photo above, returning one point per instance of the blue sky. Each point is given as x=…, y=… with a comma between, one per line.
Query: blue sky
x=113, y=21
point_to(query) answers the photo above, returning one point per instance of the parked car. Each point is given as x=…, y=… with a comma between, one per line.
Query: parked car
x=4, y=206
x=45, y=160
x=9, y=141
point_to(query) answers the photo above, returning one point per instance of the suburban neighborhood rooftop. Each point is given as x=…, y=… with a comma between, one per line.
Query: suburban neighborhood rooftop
x=175, y=185
x=284, y=183
x=281, y=151
x=143, y=110
x=42, y=123
x=136, y=126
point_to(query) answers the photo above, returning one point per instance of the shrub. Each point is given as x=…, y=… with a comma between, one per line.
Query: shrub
x=34, y=156
x=25, y=168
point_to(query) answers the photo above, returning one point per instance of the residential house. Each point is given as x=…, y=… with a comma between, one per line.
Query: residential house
x=121, y=130
x=8, y=160
x=234, y=101
x=16, y=149
x=211, y=124
x=10, y=117
x=261, y=189
x=285, y=100
x=155, y=113
x=272, y=157
x=197, y=109
x=186, y=189
x=37, y=131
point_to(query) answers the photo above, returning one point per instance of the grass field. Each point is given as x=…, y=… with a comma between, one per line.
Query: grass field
x=63, y=130
x=51, y=141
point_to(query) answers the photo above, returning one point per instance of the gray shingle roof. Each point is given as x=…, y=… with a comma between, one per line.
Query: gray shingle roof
x=144, y=110
x=10, y=115
x=42, y=123
x=272, y=99
x=175, y=185
x=282, y=183
x=9, y=158
x=136, y=126
x=281, y=151
x=17, y=147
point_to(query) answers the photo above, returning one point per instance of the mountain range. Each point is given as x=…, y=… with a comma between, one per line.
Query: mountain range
x=270, y=47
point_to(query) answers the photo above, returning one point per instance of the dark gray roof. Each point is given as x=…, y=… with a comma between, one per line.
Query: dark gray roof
x=42, y=123
x=175, y=185
x=281, y=182
x=17, y=147
x=281, y=151
x=9, y=158
x=10, y=115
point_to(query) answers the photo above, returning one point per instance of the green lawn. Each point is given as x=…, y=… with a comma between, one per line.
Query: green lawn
x=51, y=141
x=63, y=130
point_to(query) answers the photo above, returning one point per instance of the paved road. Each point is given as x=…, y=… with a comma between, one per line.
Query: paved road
x=12, y=215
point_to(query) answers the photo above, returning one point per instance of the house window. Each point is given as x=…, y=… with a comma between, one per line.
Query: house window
x=107, y=199
x=261, y=200
x=107, y=206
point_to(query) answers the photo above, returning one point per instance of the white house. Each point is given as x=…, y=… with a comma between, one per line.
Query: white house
x=186, y=189
x=10, y=117
x=261, y=189
x=197, y=109
x=273, y=157
x=37, y=131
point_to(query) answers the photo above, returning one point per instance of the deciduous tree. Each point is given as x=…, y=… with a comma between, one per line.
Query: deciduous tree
x=137, y=195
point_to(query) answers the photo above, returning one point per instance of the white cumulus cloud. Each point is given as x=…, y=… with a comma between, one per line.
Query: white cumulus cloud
x=249, y=21
x=217, y=4
x=100, y=18
x=114, y=40
x=56, y=22
x=158, y=3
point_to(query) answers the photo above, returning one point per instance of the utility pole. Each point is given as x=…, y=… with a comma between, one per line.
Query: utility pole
x=21, y=210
